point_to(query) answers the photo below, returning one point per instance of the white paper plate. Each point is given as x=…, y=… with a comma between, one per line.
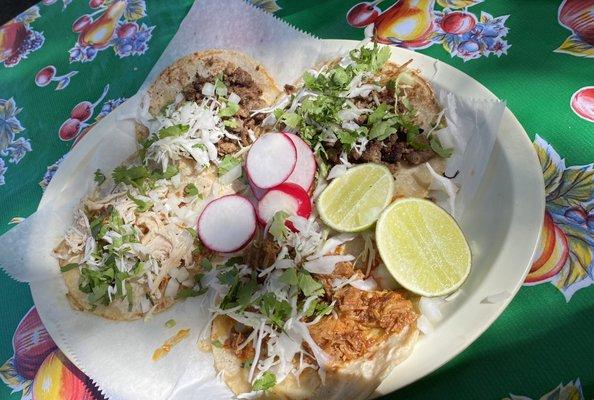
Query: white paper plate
x=502, y=224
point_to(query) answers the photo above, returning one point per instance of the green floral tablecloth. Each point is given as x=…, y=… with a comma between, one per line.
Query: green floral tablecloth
x=65, y=64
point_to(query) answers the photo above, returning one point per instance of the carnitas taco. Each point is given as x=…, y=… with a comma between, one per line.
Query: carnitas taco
x=132, y=249
x=304, y=311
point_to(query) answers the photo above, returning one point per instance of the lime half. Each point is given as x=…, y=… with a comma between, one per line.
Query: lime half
x=354, y=201
x=423, y=247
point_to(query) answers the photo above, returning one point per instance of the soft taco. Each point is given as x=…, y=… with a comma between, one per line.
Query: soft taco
x=132, y=249
x=364, y=108
x=305, y=312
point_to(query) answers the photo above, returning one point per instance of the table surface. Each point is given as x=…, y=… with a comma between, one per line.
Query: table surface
x=536, y=55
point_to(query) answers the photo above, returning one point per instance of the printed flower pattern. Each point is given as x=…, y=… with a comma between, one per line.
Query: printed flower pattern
x=11, y=148
x=571, y=391
x=112, y=24
x=18, y=39
x=267, y=5
x=565, y=255
x=417, y=25
x=50, y=172
x=39, y=370
x=578, y=17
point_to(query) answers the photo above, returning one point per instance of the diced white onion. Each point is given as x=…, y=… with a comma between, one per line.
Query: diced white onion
x=325, y=265
x=182, y=274
x=172, y=288
x=234, y=98
x=208, y=89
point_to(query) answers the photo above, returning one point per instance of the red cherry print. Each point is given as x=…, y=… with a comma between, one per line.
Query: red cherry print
x=45, y=75
x=127, y=30
x=96, y=3
x=82, y=111
x=458, y=22
x=363, y=14
x=81, y=23
x=69, y=129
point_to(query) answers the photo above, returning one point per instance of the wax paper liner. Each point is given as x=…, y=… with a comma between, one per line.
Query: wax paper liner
x=117, y=355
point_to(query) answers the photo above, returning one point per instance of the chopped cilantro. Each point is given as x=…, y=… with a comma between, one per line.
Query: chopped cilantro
x=291, y=119
x=229, y=110
x=231, y=123
x=186, y=292
x=276, y=311
x=199, y=146
x=217, y=343
x=130, y=175
x=308, y=285
x=289, y=277
x=278, y=228
x=438, y=148
x=173, y=131
x=99, y=177
x=141, y=205
x=227, y=164
x=267, y=381
x=192, y=232
x=220, y=87
x=191, y=190
x=170, y=323
x=206, y=264
x=68, y=267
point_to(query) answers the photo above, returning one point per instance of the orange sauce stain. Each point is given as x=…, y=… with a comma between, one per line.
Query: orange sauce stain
x=169, y=343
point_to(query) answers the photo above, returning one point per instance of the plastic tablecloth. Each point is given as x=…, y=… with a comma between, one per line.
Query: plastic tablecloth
x=66, y=64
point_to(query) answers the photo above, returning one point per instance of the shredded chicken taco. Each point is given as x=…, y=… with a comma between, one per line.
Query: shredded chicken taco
x=132, y=249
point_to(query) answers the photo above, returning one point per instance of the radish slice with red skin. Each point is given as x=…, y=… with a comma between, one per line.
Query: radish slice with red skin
x=271, y=160
x=227, y=224
x=256, y=191
x=305, y=169
x=287, y=197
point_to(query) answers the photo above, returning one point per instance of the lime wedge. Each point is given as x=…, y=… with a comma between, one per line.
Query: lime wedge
x=354, y=201
x=423, y=247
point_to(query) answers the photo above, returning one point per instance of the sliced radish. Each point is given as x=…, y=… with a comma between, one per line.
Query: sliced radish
x=271, y=160
x=305, y=169
x=227, y=224
x=287, y=197
x=258, y=193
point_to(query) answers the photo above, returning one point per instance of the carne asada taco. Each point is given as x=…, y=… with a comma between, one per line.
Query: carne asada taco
x=132, y=249
x=364, y=108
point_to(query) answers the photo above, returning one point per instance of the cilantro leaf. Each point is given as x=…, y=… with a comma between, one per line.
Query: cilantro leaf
x=308, y=285
x=68, y=267
x=267, y=381
x=191, y=190
x=229, y=110
x=231, y=123
x=220, y=87
x=99, y=177
x=437, y=147
x=278, y=229
x=217, y=343
x=377, y=114
x=289, y=276
x=141, y=205
x=173, y=131
x=291, y=119
x=206, y=264
x=227, y=164
x=170, y=323
x=186, y=292
x=122, y=174
x=276, y=311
